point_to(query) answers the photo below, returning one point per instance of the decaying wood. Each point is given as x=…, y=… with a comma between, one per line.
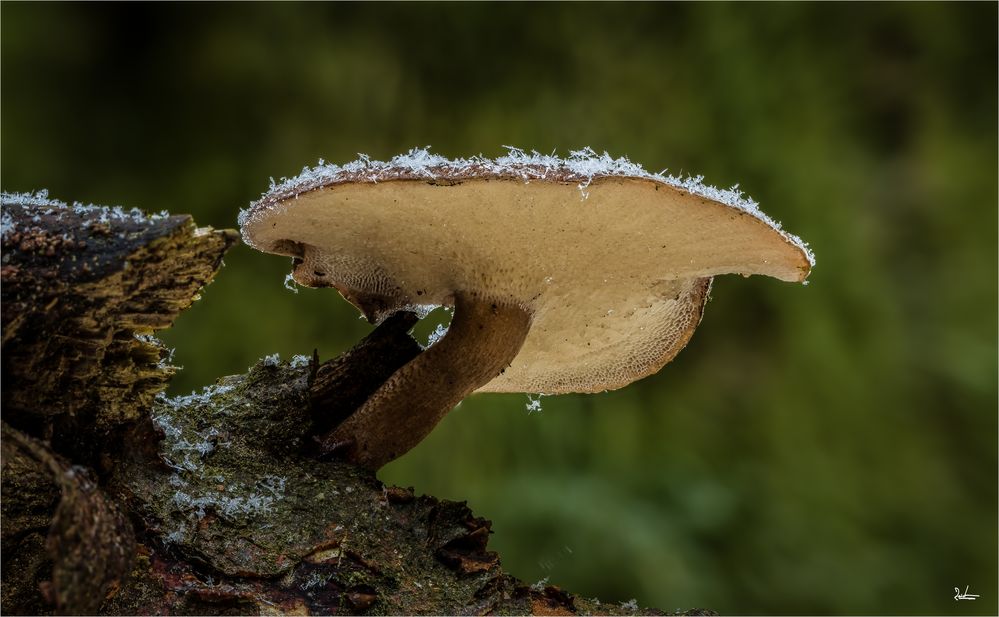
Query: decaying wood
x=116, y=501
x=81, y=289
x=89, y=540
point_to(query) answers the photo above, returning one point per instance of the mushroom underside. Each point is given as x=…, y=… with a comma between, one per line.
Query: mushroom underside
x=484, y=338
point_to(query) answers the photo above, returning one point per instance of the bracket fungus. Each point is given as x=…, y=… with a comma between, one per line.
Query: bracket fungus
x=566, y=275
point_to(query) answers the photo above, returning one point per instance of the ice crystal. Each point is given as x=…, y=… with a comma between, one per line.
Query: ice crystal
x=6, y=224
x=53, y=207
x=273, y=484
x=539, y=586
x=436, y=335
x=225, y=505
x=630, y=605
x=196, y=398
x=176, y=536
x=317, y=579
x=533, y=404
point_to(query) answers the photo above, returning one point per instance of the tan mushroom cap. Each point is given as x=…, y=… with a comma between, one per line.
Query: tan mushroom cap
x=615, y=272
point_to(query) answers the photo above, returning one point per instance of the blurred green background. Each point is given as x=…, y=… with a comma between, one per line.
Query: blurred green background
x=820, y=449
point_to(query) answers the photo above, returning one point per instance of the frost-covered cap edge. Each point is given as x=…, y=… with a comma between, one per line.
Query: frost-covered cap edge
x=581, y=166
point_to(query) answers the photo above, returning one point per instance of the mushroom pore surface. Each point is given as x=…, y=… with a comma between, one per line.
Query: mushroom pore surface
x=615, y=278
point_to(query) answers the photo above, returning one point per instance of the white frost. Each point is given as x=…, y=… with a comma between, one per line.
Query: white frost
x=533, y=404
x=37, y=198
x=224, y=504
x=6, y=223
x=195, y=398
x=582, y=166
x=317, y=579
x=54, y=207
x=436, y=335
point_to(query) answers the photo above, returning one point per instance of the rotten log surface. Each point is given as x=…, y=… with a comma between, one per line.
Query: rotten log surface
x=82, y=288
x=119, y=501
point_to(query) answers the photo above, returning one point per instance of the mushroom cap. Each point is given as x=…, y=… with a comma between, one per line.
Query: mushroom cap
x=614, y=263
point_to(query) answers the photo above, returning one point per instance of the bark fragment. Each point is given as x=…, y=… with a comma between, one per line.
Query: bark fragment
x=89, y=541
x=82, y=286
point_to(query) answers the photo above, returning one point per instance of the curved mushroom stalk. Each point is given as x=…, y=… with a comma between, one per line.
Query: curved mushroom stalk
x=483, y=339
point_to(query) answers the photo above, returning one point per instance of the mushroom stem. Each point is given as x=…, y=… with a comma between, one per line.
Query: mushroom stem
x=483, y=339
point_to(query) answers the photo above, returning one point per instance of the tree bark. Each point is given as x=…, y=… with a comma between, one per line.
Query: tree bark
x=118, y=500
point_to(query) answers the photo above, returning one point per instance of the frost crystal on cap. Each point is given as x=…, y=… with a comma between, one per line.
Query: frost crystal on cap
x=581, y=167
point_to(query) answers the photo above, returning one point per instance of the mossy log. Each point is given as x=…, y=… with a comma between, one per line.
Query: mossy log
x=117, y=500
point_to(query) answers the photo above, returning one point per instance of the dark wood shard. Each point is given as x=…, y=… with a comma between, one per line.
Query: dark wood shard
x=82, y=287
x=484, y=336
x=343, y=384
